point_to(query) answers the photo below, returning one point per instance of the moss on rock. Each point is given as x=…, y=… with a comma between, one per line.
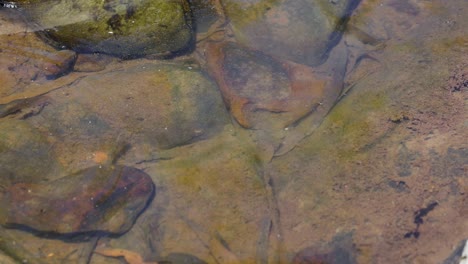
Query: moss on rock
x=123, y=28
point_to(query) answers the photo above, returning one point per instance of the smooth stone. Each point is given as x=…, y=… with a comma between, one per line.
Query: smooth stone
x=25, y=154
x=254, y=84
x=92, y=62
x=125, y=29
x=282, y=101
x=303, y=31
x=164, y=104
x=97, y=199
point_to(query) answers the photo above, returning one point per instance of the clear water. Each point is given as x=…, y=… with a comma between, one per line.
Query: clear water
x=239, y=149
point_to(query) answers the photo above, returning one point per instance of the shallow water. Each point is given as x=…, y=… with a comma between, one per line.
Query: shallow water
x=258, y=142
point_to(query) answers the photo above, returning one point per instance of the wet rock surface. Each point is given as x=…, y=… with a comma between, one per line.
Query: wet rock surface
x=104, y=199
x=189, y=186
x=371, y=160
x=25, y=154
x=339, y=251
x=130, y=29
x=204, y=14
x=24, y=58
x=358, y=149
x=282, y=101
x=299, y=30
x=164, y=104
x=92, y=62
x=252, y=81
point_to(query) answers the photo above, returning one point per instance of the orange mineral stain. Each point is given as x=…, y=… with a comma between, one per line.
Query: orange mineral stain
x=129, y=256
x=100, y=157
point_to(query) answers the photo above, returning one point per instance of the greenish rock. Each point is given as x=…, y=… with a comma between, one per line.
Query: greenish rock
x=126, y=29
x=303, y=31
x=164, y=104
x=204, y=14
x=25, y=154
x=71, y=120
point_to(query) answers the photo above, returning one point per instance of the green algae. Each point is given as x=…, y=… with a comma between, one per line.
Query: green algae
x=224, y=159
x=348, y=127
x=246, y=16
x=134, y=28
x=352, y=122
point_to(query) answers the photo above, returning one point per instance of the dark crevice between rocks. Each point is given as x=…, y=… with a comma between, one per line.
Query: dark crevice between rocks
x=35, y=111
x=341, y=250
x=456, y=256
x=341, y=28
x=154, y=160
x=418, y=219
x=74, y=237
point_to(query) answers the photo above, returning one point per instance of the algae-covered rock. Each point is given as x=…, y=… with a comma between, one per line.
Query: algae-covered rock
x=164, y=104
x=122, y=28
x=299, y=30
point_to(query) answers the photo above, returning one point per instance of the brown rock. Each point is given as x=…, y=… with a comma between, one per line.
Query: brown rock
x=166, y=104
x=100, y=198
x=25, y=154
x=303, y=31
x=251, y=81
x=24, y=59
x=92, y=62
x=340, y=250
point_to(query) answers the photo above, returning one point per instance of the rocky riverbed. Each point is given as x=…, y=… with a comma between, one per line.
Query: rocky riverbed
x=234, y=131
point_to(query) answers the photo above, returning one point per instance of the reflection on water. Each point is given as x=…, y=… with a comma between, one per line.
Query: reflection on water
x=233, y=131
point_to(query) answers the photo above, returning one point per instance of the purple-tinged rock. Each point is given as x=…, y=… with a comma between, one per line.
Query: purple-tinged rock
x=101, y=198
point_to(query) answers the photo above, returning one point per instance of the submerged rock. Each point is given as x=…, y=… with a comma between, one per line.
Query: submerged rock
x=204, y=13
x=92, y=62
x=281, y=100
x=252, y=83
x=25, y=58
x=340, y=250
x=165, y=104
x=303, y=31
x=122, y=28
x=100, y=198
x=25, y=154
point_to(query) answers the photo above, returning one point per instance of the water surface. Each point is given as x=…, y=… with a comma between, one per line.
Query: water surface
x=258, y=141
